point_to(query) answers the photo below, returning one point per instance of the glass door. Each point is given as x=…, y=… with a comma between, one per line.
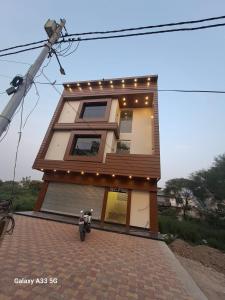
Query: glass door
x=116, y=208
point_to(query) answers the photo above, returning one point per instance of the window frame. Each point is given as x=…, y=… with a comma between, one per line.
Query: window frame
x=122, y=140
x=105, y=118
x=83, y=133
x=122, y=111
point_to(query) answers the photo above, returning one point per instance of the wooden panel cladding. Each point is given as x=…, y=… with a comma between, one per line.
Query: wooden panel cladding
x=89, y=126
x=41, y=196
x=124, y=165
x=116, y=92
x=104, y=181
x=154, y=227
x=48, y=136
x=94, y=101
x=83, y=133
x=131, y=164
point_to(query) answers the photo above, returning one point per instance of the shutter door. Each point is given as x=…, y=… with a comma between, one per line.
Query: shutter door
x=70, y=199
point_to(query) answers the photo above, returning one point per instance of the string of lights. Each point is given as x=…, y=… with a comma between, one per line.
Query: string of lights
x=155, y=90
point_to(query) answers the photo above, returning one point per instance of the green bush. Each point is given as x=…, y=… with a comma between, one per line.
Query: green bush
x=193, y=231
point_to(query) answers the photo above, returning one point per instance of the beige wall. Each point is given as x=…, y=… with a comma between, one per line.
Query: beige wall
x=114, y=111
x=110, y=144
x=57, y=146
x=68, y=113
x=141, y=135
x=139, y=214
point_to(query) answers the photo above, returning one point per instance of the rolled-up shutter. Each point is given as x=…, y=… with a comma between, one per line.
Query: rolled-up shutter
x=70, y=199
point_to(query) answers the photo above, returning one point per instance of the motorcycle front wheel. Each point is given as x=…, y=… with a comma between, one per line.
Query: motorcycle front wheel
x=82, y=235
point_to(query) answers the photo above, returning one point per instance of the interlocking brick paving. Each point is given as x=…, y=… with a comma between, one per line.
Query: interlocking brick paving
x=106, y=266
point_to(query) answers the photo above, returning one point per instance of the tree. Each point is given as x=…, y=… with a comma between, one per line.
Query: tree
x=180, y=189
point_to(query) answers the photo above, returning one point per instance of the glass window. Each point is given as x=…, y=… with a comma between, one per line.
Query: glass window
x=116, y=208
x=123, y=147
x=86, y=145
x=126, y=121
x=93, y=110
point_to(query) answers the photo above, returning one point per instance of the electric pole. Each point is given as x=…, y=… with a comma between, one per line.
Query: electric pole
x=53, y=30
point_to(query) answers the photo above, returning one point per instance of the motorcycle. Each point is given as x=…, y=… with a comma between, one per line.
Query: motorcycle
x=85, y=223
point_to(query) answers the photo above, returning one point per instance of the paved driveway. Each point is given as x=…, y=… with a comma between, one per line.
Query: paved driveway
x=105, y=266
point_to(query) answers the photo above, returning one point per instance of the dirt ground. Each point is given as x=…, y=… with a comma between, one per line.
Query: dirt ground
x=206, y=266
x=208, y=256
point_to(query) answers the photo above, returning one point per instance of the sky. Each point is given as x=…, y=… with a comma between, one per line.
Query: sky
x=191, y=125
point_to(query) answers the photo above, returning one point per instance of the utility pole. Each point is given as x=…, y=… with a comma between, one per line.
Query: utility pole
x=53, y=30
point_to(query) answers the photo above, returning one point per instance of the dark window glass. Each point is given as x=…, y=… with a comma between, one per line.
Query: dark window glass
x=126, y=121
x=123, y=147
x=93, y=110
x=86, y=145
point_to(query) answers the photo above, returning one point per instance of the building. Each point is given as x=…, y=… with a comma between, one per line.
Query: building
x=101, y=151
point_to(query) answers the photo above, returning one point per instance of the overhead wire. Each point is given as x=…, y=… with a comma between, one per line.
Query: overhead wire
x=120, y=36
x=119, y=30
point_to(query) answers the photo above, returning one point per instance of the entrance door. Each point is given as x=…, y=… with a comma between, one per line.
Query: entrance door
x=116, y=208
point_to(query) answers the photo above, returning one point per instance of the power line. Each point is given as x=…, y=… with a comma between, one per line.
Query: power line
x=121, y=36
x=147, y=27
x=119, y=30
x=15, y=61
x=152, y=90
x=23, y=45
x=145, y=33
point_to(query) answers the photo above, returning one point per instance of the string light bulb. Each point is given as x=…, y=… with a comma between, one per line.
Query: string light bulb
x=148, y=178
x=113, y=175
x=82, y=172
x=146, y=102
x=68, y=171
x=136, y=101
x=130, y=177
x=97, y=174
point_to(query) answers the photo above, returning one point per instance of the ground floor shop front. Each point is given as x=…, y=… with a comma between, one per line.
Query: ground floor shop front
x=116, y=205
